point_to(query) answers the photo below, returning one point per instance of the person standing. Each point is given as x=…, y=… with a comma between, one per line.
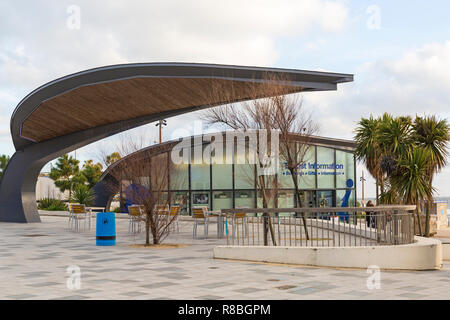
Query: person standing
x=370, y=215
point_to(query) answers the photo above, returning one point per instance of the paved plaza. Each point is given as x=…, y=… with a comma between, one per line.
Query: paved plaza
x=34, y=259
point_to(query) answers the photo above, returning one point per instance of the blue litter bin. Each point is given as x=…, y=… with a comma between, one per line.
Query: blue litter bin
x=106, y=229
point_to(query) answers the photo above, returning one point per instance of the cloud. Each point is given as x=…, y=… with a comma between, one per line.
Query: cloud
x=417, y=82
x=36, y=45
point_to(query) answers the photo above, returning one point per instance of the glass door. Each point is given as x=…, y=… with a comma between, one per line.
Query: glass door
x=308, y=199
x=325, y=198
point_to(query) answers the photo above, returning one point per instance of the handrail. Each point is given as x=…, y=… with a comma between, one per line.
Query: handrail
x=386, y=225
x=324, y=210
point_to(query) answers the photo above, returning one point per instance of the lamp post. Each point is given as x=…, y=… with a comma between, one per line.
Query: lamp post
x=160, y=124
x=362, y=189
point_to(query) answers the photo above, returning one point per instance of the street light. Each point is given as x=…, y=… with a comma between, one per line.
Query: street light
x=160, y=124
x=362, y=181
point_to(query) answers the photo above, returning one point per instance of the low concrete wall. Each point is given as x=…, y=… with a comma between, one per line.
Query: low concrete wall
x=424, y=254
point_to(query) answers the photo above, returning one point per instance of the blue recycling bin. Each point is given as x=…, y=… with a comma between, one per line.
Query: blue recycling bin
x=106, y=229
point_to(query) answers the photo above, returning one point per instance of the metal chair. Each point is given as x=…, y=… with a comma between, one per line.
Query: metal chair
x=200, y=215
x=173, y=214
x=240, y=218
x=69, y=206
x=135, y=213
x=78, y=212
x=162, y=209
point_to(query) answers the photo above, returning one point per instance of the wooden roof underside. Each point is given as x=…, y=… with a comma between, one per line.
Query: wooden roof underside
x=110, y=102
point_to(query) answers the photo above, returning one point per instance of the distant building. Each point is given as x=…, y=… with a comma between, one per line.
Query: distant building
x=45, y=188
x=439, y=209
x=326, y=179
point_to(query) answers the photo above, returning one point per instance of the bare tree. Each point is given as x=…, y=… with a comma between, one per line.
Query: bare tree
x=144, y=175
x=296, y=128
x=255, y=114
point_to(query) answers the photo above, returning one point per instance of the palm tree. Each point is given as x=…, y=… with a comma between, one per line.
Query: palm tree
x=394, y=138
x=411, y=179
x=83, y=194
x=395, y=135
x=432, y=135
x=368, y=150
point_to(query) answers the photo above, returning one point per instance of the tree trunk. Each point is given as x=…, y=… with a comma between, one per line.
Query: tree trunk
x=376, y=191
x=429, y=206
x=267, y=224
x=299, y=201
x=147, y=230
x=418, y=221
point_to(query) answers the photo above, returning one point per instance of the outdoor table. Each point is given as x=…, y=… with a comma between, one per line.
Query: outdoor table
x=90, y=210
x=220, y=222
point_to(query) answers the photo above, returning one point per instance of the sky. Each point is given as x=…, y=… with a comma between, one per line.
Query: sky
x=398, y=51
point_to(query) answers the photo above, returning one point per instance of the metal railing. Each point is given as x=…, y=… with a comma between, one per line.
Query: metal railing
x=318, y=227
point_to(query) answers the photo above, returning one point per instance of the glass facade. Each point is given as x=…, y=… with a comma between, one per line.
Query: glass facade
x=326, y=178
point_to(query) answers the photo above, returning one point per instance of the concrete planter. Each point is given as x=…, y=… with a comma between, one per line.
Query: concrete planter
x=423, y=254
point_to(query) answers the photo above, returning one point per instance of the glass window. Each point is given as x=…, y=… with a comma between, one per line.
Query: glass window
x=345, y=169
x=244, y=172
x=200, y=199
x=244, y=176
x=285, y=199
x=179, y=175
x=325, y=199
x=325, y=167
x=180, y=198
x=244, y=198
x=222, y=200
x=306, y=172
x=199, y=174
x=308, y=199
x=159, y=172
x=222, y=173
x=270, y=198
x=161, y=198
x=284, y=176
x=342, y=195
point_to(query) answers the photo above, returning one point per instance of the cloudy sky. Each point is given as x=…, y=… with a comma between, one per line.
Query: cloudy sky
x=399, y=51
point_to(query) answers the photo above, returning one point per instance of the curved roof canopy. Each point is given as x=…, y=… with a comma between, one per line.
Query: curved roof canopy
x=81, y=108
x=122, y=92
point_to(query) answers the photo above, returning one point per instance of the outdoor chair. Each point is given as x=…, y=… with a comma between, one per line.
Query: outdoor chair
x=69, y=206
x=240, y=218
x=136, y=217
x=174, y=212
x=162, y=209
x=78, y=213
x=200, y=215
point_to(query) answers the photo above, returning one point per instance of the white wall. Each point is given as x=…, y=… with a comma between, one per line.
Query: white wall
x=45, y=187
x=423, y=254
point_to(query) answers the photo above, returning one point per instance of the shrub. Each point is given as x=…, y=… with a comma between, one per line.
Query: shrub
x=52, y=204
x=82, y=194
x=117, y=210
